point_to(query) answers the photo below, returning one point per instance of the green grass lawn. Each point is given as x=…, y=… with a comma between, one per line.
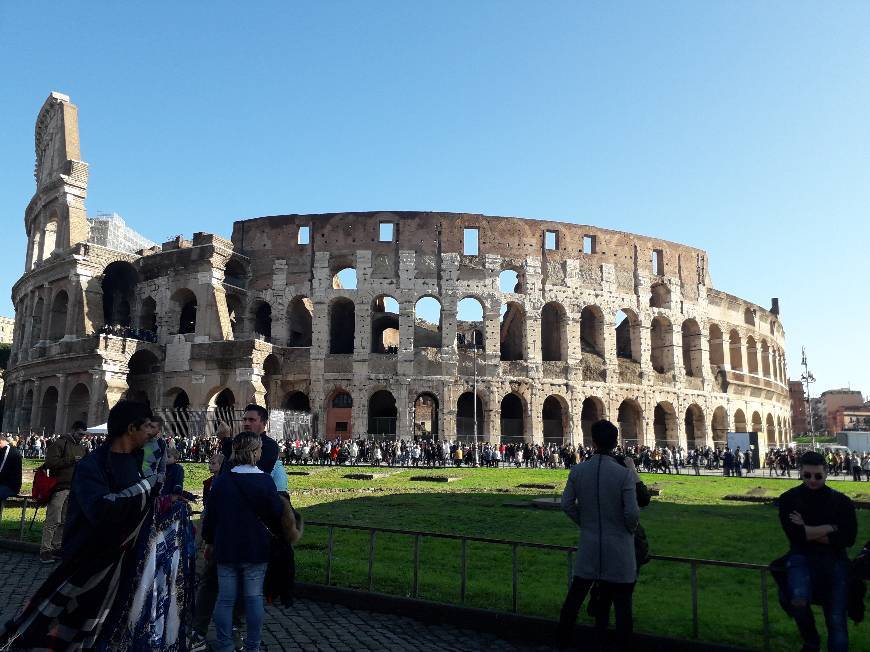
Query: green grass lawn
x=689, y=519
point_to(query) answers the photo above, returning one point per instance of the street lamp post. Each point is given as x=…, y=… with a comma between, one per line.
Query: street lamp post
x=807, y=377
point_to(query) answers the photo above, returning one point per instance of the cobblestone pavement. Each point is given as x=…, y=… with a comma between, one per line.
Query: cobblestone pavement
x=308, y=625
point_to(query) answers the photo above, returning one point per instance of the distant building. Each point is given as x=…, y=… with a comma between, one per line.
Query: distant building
x=7, y=324
x=852, y=418
x=798, y=407
x=833, y=400
x=110, y=231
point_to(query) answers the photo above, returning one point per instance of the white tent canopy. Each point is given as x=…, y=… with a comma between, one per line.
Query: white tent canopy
x=99, y=430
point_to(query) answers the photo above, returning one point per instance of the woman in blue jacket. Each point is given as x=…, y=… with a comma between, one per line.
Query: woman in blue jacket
x=243, y=511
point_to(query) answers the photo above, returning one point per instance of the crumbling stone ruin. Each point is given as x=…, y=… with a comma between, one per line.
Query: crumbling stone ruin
x=384, y=322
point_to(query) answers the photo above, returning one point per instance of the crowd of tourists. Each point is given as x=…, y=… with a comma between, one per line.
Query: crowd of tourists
x=428, y=452
x=129, y=573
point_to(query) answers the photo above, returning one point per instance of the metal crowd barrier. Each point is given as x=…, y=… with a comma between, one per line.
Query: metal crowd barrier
x=514, y=546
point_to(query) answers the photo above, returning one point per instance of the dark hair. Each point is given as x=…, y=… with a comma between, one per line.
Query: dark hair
x=79, y=425
x=811, y=458
x=604, y=435
x=259, y=409
x=126, y=414
x=158, y=420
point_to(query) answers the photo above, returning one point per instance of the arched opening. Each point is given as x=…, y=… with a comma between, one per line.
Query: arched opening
x=427, y=323
x=692, y=348
x=49, y=410
x=736, y=354
x=510, y=281
x=749, y=317
x=57, y=323
x=662, y=345
x=26, y=411
x=465, y=416
x=344, y=279
x=513, y=423
x=592, y=330
x=555, y=419
x=739, y=421
x=297, y=402
x=78, y=404
x=665, y=425
x=143, y=370
x=224, y=404
x=554, y=332
x=720, y=427
x=627, y=335
x=751, y=355
x=179, y=416
x=469, y=324
x=765, y=359
x=426, y=416
x=299, y=317
x=235, y=314
x=119, y=291
x=385, y=325
x=660, y=296
x=184, y=305
x=717, y=348
x=592, y=411
x=771, y=431
x=696, y=427
x=382, y=413
x=513, y=332
x=263, y=320
x=780, y=431
x=148, y=315
x=271, y=378
x=757, y=423
x=342, y=326
x=235, y=274
x=630, y=420
x=339, y=415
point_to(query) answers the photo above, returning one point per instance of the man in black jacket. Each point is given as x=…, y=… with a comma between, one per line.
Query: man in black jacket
x=821, y=526
x=10, y=469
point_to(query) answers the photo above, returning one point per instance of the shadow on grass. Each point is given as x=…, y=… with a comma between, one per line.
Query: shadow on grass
x=729, y=604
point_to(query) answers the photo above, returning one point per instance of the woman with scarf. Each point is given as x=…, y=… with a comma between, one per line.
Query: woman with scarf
x=125, y=581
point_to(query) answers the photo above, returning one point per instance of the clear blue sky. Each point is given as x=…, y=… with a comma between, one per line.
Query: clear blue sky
x=742, y=128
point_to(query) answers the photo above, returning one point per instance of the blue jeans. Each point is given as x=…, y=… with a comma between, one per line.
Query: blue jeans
x=250, y=577
x=824, y=578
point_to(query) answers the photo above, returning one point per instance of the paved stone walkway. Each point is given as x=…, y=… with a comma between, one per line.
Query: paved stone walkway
x=308, y=625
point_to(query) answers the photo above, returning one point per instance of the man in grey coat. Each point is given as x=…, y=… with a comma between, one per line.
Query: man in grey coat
x=601, y=498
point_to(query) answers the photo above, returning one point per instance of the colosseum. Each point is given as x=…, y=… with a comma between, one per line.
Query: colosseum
x=382, y=323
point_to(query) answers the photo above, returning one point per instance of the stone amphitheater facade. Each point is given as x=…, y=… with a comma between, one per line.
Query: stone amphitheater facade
x=595, y=324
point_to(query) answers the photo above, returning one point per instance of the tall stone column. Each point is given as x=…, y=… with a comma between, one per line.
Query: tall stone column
x=37, y=403
x=62, y=405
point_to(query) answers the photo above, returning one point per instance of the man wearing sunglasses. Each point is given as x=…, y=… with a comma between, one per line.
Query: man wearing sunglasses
x=821, y=526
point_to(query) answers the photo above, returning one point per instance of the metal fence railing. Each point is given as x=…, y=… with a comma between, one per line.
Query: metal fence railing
x=417, y=538
x=514, y=546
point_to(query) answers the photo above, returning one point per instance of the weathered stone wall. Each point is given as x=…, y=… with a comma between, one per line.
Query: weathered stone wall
x=256, y=318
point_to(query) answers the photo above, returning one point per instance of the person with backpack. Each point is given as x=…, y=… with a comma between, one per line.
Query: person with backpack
x=61, y=457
